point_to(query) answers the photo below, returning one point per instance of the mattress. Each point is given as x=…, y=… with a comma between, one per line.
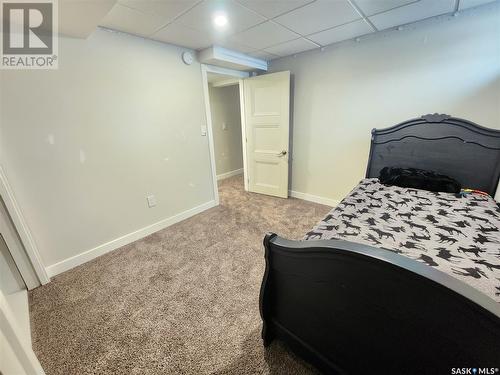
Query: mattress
x=457, y=235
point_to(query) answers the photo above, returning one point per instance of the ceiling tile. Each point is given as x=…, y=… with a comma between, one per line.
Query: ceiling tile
x=183, y=36
x=344, y=32
x=273, y=8
x=411, y=13
x=201, y=16
x=122, y=18
x=264, y=35
x=264, y=55
x=371, y=7
x=318, y=16
x=167, y=9
x=465, y=4
x=79, y=19
x=234, y=45
x=291, y=47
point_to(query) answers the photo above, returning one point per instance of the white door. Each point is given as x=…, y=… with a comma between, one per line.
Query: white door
x=267, y=106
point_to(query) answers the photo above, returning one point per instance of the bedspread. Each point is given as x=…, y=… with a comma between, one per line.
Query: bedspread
x=459, y=236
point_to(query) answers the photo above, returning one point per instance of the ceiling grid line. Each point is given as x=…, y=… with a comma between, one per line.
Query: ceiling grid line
x=177, y=17
x=280, y=14
x=293, y=31
x=362, y=14
x=271, y=29
x=272, y=20
x=394, y=8
x=337, y=26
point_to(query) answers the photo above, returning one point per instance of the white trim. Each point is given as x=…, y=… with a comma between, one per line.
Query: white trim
x=205, y=69
x=314, y=198
x=211, y=146
x=16, y=249
x=243, y=133
x=22, y=228
x=88, y=255
x=12, y=332
x=223, y=176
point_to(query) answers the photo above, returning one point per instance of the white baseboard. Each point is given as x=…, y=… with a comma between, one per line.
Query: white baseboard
x=229, y=174
x=314, y=198
x=84, y=257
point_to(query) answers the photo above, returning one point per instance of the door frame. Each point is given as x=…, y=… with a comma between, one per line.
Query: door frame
x=10, y=329
x=240, y=75
x=25, y=236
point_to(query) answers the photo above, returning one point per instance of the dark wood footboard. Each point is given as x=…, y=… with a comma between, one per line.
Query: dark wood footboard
x=356, y=309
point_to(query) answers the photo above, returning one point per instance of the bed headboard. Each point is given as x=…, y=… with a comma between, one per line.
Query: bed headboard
x=448, y=145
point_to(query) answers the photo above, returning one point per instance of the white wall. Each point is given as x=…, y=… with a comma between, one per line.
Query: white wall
x=451, y=66
x=225, y=108
x=84, y=145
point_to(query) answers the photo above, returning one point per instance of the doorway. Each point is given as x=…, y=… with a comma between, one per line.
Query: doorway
x=264, y=102
x=215, y=78
x=225, y=109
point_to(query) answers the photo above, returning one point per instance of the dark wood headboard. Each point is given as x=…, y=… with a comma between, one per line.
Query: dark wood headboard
x=448, y=145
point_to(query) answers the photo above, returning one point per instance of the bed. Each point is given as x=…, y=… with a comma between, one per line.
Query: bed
x=397, y=280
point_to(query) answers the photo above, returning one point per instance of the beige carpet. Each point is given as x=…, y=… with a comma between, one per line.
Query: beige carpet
x=181, y=301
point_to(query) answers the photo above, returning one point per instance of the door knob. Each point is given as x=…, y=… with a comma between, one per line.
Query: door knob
x=282, y=153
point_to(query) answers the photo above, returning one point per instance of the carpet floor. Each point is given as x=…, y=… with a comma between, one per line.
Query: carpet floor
x=183, y=300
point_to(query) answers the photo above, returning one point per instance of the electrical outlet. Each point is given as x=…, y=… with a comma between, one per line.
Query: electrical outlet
x=151, y=200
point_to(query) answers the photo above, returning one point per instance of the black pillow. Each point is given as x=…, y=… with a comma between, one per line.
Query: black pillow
x=418, y=179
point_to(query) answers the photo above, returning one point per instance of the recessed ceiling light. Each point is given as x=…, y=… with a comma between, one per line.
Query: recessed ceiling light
x=220, y=20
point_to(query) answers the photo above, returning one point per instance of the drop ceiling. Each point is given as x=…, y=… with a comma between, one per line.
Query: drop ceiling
x=78, y=19
x=268, y=29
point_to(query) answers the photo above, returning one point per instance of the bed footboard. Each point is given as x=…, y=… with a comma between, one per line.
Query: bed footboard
x=351, y=308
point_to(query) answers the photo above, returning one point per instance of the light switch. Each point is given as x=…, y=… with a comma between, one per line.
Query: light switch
x=204, y=130
x=224, y=126
x=151, y=200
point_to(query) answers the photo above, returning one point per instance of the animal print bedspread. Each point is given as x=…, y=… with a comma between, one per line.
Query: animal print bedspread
x=459, y=236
